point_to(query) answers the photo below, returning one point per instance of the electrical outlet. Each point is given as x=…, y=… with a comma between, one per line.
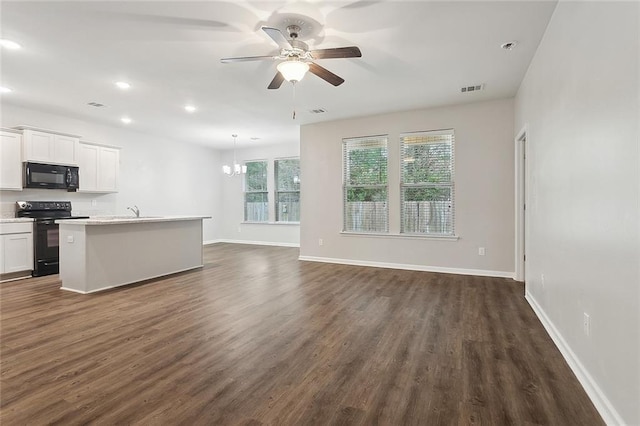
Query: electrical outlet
x=320, y=242
x=70, y=239
x=586, y=324
x=94, y=203
x=481, y=251
x=542, y=280
x=239, y=228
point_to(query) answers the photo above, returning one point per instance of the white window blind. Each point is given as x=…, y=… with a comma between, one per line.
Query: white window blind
x=365, y=188
x=287, y=174
x=427, y=182
x=256, y=197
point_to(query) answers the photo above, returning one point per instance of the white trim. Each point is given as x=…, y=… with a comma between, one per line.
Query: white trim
x=255, y=243
x=520, y=195
x=409, y=267
x=401, y=235
x=270, y=223
x=597, y=396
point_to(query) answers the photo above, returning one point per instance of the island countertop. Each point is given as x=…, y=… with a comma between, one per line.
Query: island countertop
x=120, y=220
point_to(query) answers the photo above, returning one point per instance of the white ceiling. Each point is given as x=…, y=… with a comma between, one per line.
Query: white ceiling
x=414, y=55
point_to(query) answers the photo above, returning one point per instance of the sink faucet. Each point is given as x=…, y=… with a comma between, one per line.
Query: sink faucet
x=135, y=209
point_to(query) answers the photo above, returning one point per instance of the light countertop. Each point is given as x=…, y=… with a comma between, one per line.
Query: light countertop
x=121, y=220
x=15, y=219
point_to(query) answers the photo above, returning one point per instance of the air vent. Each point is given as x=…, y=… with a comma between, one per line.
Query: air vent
x=475, y=88
x=317, y=111
x=95, y=104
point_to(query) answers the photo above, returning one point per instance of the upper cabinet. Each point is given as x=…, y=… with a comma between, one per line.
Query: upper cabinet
x=99, y=167
x=10, y=159
x=44, y=146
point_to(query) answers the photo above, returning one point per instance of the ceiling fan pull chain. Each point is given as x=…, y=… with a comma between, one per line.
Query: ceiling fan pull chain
x=294, y=100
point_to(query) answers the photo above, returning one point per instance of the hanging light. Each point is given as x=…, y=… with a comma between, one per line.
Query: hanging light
x=236, y=169
x=293, y=70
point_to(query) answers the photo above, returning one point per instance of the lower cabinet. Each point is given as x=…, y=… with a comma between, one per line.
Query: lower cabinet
x=16, y=250
x=99, y=168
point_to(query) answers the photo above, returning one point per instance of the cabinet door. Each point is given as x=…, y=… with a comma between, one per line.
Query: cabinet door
x=65, y=150
x=109, y=169
x=10, y=161
x=88, y=167
x=17, y=253
x=38, y=146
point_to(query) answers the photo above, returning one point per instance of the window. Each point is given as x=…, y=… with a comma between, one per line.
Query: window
x=365, y=190
x=256, y=198
x=426, y=185
x=287, y=190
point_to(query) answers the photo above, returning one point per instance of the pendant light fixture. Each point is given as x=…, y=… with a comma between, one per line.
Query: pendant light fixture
x=236, y=168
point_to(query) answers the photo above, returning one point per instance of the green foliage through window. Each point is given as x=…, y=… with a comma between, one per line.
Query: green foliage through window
x=256, y=197
x=365, y=184
x=287, y=190
x=427, y=188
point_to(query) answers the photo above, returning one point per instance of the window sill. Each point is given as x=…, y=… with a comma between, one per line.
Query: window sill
x=270, y=223
x=402, y=236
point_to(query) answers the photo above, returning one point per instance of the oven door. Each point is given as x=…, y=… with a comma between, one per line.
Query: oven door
x=47, y=247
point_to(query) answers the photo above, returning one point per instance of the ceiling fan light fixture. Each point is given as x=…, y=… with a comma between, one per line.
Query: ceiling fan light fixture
x=293, y=70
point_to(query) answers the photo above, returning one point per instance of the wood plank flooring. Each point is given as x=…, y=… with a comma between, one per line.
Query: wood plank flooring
x=258, y=337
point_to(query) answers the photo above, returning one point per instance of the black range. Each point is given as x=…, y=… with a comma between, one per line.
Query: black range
x=46, y=236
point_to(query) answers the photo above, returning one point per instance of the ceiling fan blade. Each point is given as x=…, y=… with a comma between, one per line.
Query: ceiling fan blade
x=277, y=81
x=247, y=59
x=278, y=37
x=338, y=52
x=325, y=74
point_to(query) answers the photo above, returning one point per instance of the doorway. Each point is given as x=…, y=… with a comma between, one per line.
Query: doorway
x=521, y=168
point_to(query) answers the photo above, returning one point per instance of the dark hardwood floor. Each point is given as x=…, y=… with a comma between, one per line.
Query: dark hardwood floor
x=258, y=337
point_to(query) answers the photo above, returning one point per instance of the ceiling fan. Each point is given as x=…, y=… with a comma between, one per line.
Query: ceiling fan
x=296, y=58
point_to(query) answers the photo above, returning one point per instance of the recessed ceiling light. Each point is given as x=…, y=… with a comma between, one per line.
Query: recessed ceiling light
x=510, y=45
x=125, y=120
x=5, y=90
x=254, y=138
x=190, y=108
x=123, y=85
x=9, y=44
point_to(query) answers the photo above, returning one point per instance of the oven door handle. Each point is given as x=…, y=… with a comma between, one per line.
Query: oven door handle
x=47, y=222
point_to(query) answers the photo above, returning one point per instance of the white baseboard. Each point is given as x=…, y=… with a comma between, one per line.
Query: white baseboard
x=597, y=396
x=460, y=271
x=257, y=243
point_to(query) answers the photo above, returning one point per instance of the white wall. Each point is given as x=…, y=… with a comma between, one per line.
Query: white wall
x=161, y=176
x=579, y=100
x=484, y=184
x=233, y=228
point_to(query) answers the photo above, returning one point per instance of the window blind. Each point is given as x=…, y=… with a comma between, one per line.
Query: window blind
x=256, y=198
x=365, y=185
x=287, y=174
x=427, y=182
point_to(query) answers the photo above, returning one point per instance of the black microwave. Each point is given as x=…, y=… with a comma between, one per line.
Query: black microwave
x=50, y=176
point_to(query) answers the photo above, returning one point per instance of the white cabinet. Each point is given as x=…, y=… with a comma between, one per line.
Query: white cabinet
x=11, y=160
x=99, y=168
x=16, y=249
x=41, y=146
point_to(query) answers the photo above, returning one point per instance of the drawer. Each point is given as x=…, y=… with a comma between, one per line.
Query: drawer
x=16, y=228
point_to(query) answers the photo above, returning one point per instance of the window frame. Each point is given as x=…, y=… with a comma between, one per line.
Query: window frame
x=277, y=191
x=384, y=140
x=246, y=192
x=450, y=184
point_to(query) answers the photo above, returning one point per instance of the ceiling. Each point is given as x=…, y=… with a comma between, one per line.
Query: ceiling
x=414, y=55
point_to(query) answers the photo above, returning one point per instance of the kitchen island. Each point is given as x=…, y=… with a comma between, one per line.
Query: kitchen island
x=100, y=253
